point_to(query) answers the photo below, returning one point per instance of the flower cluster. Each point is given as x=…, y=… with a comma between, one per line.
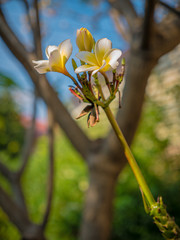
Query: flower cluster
x=96, y=58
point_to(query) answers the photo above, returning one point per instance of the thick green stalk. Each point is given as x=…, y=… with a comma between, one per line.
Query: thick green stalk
x=132, y=162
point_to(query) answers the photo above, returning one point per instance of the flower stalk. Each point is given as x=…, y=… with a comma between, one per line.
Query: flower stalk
x=129, y=156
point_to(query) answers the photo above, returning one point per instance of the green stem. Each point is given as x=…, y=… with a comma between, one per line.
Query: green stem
x=107, y=81
x=73, y=79
x=132, y=162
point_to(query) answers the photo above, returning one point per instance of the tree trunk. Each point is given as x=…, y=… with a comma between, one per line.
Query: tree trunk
x=98, y=206
x=108, y=162
x=97, y=215
x=35, y=232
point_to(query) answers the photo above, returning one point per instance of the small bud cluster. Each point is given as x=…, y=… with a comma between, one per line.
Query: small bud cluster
x=90, y=91
x=164, y=222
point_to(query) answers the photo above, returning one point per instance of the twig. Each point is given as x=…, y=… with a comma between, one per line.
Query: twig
x=27, y=8
x=51, y=170
x=13, y=179
x=168, y=35
x=37, y=31
x=13, y=42
x=3, y=22
x=18, y=194
x=30, y=19
x=119, y=24
x=127, y=10
x=27, y=149
x=173, y=10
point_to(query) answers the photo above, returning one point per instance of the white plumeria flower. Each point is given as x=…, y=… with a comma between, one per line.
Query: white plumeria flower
x=103, y=59
x=57, y=58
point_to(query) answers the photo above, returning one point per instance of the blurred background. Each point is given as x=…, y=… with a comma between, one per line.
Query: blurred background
x=156, y=145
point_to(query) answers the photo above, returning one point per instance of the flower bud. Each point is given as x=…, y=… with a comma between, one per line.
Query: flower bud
x=74, y=64
x=84, y=40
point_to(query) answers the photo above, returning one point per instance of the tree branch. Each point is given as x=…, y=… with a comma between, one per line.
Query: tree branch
x=29, y=140
x=19, y=218
x=119, y=24
x=37, y=31
x=147, y=33
x=14, y=177
x=173, y=10
x=18, y=194
x=12, y=41
x=15, y=213
x=126, y=9
x=167, y=35
x=15, y=38
x=61, y=115
x=51, y=169
x=5, y=171
x=27, y=9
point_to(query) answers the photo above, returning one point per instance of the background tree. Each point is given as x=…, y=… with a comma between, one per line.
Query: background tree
x=149, y=40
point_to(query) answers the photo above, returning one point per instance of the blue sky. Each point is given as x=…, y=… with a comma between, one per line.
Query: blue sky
x=59, y=22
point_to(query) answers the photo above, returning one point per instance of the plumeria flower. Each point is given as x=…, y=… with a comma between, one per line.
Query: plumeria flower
x=84, y=40
x=103, y=59
x=57, y=58
x=109, y=74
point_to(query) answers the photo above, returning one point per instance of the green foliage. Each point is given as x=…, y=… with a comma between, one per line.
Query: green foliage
x=7, y=82
x=130, y=220
x=11, y=130
x=69, y=187
x=7, y=230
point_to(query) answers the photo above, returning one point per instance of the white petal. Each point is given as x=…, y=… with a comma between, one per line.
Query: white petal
x=65, y=48
x=54, y=58
x=85, y=68
x=112, y=56
x=97, y=70
x=87, y=57
x=42, y=66
x=50, y=49
x=102, y=46
x=41, y=63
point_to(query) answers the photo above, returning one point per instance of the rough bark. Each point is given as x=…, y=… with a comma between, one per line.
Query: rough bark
x=98, y=205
